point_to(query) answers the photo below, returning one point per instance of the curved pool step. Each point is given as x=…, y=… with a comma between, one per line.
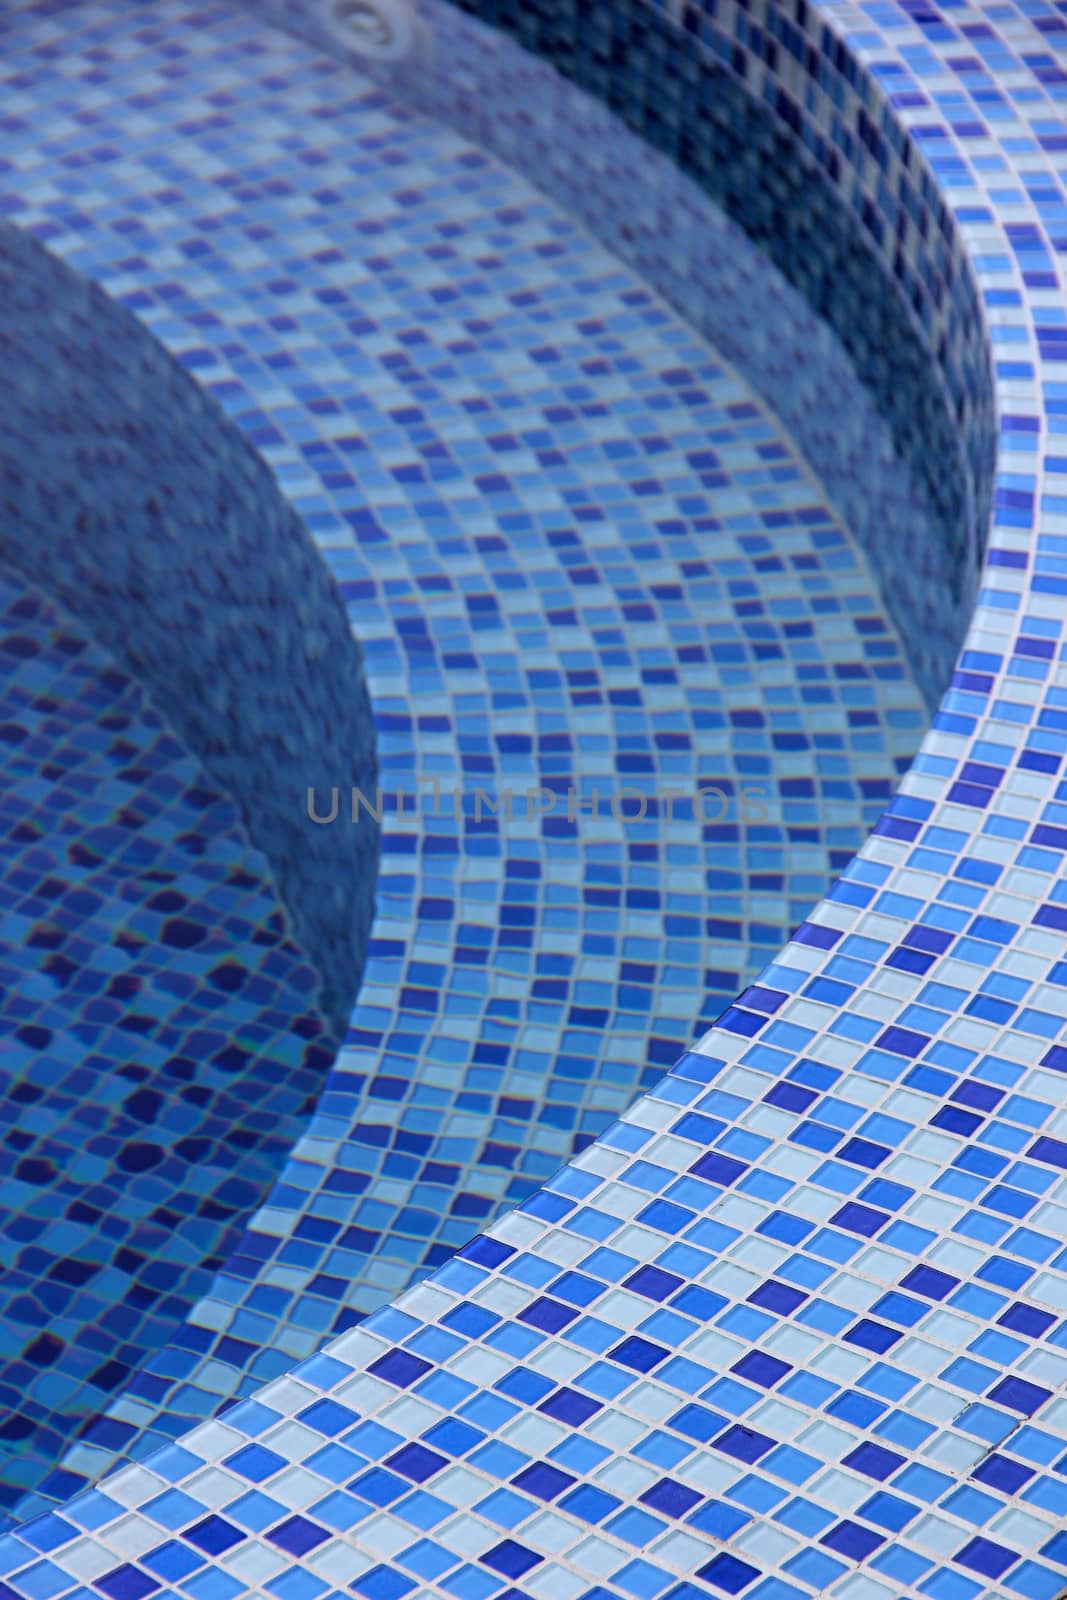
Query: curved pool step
x=160, y=1043
x=796, y=1325
x=581, y=555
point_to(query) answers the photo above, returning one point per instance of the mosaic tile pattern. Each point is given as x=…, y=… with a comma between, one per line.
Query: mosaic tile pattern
x=664, y=224
x=794, y=1326
x=128, y=495
x=763, y=106
x=545, y=502
x=761, y=109
x=160, y=1047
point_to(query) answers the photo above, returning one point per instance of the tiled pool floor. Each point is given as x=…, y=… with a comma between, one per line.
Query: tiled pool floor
x=157, y=1032
x=580, y=555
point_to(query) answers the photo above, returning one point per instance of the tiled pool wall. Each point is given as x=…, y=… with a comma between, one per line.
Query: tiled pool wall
x=127, y=494
x=620, y=558
x=159, y=1046
x=760, y=182
x=795, y=1325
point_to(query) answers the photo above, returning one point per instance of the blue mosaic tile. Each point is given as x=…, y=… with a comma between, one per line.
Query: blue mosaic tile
x=161, y=1045
x=792, y=1325
x=677, y=497
x=134, y=502
x=777, y=279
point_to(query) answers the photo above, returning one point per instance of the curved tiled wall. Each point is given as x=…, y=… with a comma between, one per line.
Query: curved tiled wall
x=160, y=1048
x=127, y=494
x=572, y=559
x=734, y=108
x=793, y=1326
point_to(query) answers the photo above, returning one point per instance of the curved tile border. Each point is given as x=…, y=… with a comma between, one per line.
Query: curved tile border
x=128, y=494
x=945, y=1118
